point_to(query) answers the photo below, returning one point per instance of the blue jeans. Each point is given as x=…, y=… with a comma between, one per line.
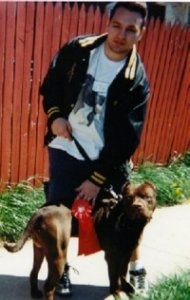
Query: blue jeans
x=66, y=173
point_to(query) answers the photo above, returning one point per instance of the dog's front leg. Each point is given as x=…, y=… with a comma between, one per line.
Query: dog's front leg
x=126, y=287
x=113, y=262
x=38, y=258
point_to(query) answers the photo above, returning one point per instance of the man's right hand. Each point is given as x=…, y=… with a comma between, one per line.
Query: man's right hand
x=62, y=127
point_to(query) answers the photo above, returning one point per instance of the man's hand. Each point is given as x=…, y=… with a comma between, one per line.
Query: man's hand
x=61, y=127
x=88, y=190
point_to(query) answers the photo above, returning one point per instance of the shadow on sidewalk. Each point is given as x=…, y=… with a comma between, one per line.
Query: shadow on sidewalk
x=18, y=288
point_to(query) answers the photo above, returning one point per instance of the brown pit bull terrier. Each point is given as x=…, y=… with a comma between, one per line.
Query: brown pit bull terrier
x=50, y=229
x=119, y=225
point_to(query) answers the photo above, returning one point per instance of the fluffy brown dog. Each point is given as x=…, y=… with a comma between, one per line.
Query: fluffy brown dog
x=50, y=229
x=119, y=226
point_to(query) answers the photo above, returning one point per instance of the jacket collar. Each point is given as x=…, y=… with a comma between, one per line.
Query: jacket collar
x=94, y=41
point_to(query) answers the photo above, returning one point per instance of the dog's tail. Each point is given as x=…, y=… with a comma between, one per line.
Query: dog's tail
x=15, y=247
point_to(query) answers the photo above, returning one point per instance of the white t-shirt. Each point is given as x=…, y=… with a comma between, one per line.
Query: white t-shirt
x=87, y=117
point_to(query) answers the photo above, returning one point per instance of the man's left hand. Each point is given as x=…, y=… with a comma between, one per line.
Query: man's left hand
x=87, y=190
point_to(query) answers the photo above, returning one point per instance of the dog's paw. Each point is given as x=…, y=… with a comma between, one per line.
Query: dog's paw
x=110, y=297
x=123, y=296
x=118, y=296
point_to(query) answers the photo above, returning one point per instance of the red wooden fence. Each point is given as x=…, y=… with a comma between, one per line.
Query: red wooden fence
x=30, y=35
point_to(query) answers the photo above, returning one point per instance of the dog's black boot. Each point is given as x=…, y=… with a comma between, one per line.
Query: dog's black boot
x=63, y=288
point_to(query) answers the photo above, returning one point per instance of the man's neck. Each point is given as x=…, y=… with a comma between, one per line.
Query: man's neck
x=113, y=55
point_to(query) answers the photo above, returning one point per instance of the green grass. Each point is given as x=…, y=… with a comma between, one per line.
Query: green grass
x=176, y=287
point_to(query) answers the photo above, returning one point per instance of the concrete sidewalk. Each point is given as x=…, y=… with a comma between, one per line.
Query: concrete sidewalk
x=165, y=251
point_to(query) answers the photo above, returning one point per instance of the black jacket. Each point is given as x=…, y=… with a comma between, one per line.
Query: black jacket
x=126, y=101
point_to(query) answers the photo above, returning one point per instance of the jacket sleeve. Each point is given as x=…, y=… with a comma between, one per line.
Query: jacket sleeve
x=53, y=87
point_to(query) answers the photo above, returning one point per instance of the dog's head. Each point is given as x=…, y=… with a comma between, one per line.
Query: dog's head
x=139, y=200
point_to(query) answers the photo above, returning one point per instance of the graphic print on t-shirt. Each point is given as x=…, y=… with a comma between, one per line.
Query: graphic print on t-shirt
x=89, y=102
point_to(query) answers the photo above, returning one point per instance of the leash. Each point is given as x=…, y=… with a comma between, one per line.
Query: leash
x=115, y=198
x=81, y=149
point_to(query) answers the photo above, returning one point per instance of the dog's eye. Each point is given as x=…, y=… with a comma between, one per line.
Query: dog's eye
x=149, y=200
x=142, y=196
x=146, y=198
x=129, y=198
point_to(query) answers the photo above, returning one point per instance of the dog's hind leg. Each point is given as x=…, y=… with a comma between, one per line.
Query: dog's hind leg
x=55, y=271
x=38, y=259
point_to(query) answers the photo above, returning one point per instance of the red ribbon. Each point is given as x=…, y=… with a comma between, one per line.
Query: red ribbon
x=88, y=241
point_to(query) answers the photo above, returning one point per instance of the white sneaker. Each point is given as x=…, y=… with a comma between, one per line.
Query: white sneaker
x=139, y=281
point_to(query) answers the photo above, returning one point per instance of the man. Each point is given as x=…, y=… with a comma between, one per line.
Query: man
x=95, y=97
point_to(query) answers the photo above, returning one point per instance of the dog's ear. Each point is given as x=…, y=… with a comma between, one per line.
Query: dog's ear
x=147, y=182
x=127, y=188
x=154, y=190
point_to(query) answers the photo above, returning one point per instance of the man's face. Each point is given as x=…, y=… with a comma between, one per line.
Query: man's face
x=124, y=30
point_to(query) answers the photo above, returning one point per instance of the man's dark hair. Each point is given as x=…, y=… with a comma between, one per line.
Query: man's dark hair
x=139, y=7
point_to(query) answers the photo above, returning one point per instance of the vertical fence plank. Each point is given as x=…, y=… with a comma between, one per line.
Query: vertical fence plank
x=17, y=91
x=185, y=144
x=164, y=90
x=82, y=20
x=185, y=127
x=8, y=92
x=74, y=21
x=90, y=20
x=2, y=62
x=97, y=21
x=35, y=88
x=27, y=83
x=145, y=45
x=66, y=23
x=57, y=24
x=104, y=23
